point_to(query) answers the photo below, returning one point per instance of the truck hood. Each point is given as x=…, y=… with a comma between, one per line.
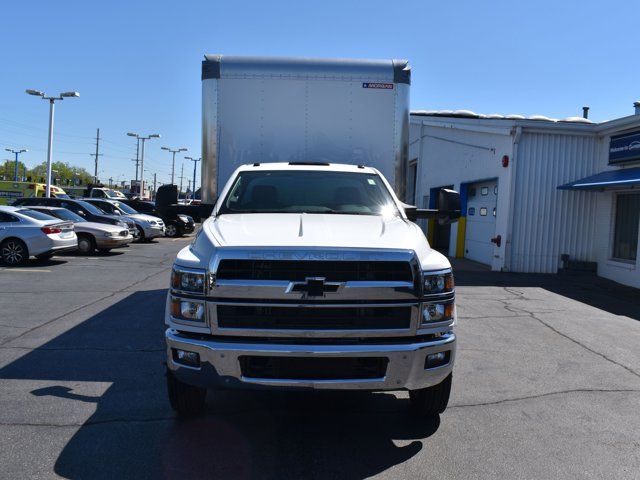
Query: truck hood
x=312, y=230
x=292, y=230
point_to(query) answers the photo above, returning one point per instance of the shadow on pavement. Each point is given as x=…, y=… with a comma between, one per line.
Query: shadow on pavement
x=133, y=432
x=586, y=288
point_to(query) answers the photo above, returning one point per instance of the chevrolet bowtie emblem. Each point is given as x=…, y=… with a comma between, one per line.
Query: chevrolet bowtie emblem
x=314, y=287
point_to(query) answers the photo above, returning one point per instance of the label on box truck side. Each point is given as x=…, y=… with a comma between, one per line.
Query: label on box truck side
x=384, y=86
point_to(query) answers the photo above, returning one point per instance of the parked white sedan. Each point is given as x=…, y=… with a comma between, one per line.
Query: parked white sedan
x=25, y=233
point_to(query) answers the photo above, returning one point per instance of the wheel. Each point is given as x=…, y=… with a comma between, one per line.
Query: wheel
x=46, y=256
x=172, y=230
x=186, y=400
x=14, y=252
x=141, y=237
x=104, y=250
x=86, y=244
x=431, y=400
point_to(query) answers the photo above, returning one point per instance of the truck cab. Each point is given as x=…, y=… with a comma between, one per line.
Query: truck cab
x=312, y=276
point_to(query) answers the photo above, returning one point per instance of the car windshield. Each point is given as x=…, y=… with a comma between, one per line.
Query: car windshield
x=36, y=215
x=90, y=208
x=124, y=208
x=65, y=214
x=304, y=191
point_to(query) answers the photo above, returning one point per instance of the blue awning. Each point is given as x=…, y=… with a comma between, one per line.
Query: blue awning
x=621, y=178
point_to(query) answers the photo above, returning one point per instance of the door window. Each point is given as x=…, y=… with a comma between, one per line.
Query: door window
x=625, y=232
x=6, y=218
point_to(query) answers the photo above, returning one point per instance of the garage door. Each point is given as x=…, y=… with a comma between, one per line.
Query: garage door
x=481, y=221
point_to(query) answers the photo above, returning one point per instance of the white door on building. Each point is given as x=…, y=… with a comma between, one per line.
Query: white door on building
x=481, y=221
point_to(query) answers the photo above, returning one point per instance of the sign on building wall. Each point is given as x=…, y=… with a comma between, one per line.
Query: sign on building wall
x=624, y=148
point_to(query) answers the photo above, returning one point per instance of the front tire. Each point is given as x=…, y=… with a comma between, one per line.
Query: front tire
x=172, y=230
x=14, y=252
x=86, y=244
x=431, y=401
x=141, y=237
x=186, y=400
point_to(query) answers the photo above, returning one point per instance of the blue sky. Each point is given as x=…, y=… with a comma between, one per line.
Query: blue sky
x=137, y=64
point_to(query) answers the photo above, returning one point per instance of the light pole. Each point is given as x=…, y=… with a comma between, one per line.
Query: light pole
x=173, y=162
x=16, y=153
x=52, y=101
x=155, y=135
x=195, y=162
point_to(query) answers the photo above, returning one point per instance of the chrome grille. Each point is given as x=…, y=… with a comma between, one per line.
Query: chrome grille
x=299, y=270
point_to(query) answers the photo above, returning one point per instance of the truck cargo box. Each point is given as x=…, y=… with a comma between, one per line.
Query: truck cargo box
x=259, y=110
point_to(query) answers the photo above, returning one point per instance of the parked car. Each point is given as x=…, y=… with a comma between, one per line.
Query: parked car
x=175, y=224
x=91, y=235
x=25, y=233
x=149, y=227
x=87, y=211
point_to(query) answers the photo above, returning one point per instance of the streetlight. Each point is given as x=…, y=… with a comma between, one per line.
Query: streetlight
x=195, y=162
x=155, y=135
x=16, y=153
x=52, y=101
x=173, y=162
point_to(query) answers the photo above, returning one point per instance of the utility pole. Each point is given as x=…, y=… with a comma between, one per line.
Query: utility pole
x=195, y=162
x=154, y=185
x=181, y=178
x=97, y=154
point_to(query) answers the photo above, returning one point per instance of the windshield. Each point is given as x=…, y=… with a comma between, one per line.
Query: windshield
x=36, y=215
x=114, y=194
x=126, y=209
x=304, y=191
x=65, y=214
x=90, y=208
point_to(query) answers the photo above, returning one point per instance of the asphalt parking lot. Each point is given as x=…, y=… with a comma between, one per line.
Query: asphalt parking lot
x=546, y=385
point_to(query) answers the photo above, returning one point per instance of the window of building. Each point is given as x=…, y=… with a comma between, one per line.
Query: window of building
x=625, y=230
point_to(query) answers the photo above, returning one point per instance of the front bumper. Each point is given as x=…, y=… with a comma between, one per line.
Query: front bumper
x=113, y=242
x=153, y=231
x=220, y=365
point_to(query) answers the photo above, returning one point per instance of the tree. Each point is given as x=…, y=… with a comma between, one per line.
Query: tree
x=7, y=170
x=62, y=171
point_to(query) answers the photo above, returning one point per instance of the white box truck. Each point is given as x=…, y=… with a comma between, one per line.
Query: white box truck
x=310, y=273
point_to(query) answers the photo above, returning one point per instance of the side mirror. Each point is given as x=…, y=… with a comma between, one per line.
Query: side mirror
x=116, y=212
x=448, y=208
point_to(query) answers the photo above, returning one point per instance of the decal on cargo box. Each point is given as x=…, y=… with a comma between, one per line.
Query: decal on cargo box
x=384, y=86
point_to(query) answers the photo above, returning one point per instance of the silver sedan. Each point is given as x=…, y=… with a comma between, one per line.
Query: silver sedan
x=91, y=235
x=25, y=233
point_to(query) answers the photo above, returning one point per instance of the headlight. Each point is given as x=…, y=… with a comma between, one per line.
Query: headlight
x=112, y=234
x=189, y=280
x=437, y=312
x=436, y=283
x=187, y=309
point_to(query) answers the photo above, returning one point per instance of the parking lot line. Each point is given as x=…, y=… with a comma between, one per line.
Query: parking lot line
x=27, y=270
